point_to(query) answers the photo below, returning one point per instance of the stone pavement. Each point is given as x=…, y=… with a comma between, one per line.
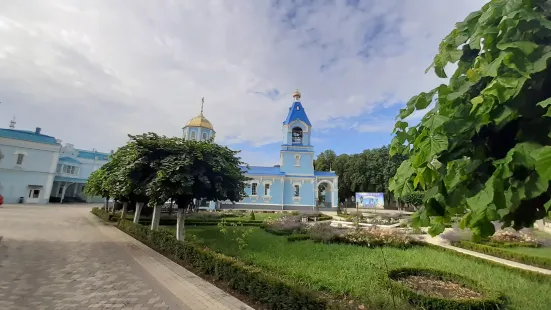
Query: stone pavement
x=63, y=257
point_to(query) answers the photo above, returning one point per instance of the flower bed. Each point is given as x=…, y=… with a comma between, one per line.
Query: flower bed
x=104, y=215
x=435, y=289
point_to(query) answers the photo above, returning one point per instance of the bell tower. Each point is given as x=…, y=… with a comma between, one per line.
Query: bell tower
x=297, y=153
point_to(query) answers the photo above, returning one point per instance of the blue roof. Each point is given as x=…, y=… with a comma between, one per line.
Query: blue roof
x=26, y=135
x=69, y=160
x=92, y=155
x=69, y=179
x=296, y=111
x=257, y=170
x=324, y=174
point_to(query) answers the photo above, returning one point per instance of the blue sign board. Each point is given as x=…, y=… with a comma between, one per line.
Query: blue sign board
x=370, y=200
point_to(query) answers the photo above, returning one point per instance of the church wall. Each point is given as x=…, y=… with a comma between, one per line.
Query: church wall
x=275, y=196
x=306, y=192
x=188, y=133
x=306, y=163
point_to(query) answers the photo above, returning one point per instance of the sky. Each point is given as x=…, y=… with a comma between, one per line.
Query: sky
x=92, y=72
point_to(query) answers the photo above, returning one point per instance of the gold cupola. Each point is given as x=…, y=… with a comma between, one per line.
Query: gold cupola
x=296, y=95
x=200, y=120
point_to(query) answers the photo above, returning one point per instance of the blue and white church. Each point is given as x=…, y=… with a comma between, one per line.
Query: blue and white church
x=291, y=185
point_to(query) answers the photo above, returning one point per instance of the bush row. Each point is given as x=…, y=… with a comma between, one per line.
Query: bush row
x=266, y=288
x=298, y=237
x=497, y=244
x=490, y=299
x=173, y=221
x=102, y=214
x=498, y=252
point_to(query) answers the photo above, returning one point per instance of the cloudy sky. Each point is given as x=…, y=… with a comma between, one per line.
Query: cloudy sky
x=91, y=72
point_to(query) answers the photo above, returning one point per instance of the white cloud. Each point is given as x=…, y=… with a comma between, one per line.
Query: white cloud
x=91, y=72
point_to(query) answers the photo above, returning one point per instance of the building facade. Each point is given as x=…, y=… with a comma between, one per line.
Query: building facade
x=36, y=168
x=291, y=185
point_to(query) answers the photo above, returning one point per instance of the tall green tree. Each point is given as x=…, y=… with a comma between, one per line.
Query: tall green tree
x=190, y=170
x=325, y=160
x=96, y=185
x=484, y=150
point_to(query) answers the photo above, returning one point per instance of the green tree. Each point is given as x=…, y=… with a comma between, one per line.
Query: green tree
x=192, y=170
x=484, y=150
x=325, y=160
x=96, y=185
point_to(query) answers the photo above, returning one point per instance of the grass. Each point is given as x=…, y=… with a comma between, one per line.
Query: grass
x=544, y=251
x=359, y=272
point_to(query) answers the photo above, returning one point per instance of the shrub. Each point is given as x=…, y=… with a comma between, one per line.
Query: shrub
x=323, y=232
x=205, y=216
x=489, y=299
x=286, y=225
x=252, y=217
x=298, y=237
x=511, y=238
x=102, y=214
x=375, y=237
x=537, y=261
x=264, y=287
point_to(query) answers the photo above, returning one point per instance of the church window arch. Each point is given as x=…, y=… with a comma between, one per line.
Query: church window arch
x=297, y=160
x=193, y=135
x=205, y=136
x=297, y=135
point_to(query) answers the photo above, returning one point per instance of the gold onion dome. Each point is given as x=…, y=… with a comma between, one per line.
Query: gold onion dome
x=200, y=121
x=296, y=94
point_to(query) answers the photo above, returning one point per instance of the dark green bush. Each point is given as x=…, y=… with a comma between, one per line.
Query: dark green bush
x=297, y=237
x=537, y=261
x=252, y=217
x=104, y=215
x=490, y=299
x=266, y=288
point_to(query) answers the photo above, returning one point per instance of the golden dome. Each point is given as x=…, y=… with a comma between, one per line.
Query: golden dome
x=200, y=121
x=296, y=94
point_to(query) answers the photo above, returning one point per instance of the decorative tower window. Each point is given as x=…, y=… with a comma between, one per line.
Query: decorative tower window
x=297, y=135
x=297, y=190
x=20, y=159
x=193, y=135
x=297, y=160
x=205, y=136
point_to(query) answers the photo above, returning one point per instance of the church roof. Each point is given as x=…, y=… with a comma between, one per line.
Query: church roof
x=296, y=112
x=200, y=121
x=258, y=170
x=67, y=159
x=26, y=135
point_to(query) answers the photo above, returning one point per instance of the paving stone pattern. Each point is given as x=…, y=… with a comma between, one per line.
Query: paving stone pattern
x=54, y=257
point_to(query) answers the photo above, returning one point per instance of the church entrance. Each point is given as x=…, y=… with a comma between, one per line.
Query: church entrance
x=324, y=194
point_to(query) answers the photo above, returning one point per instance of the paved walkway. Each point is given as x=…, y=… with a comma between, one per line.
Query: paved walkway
x=63, y=257
x=446, y=244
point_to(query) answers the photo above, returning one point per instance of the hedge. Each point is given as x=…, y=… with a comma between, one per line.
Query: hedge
x=261, y=286
x=102, y=214
x=537, y=261
x=491, y=299
x=298, y=237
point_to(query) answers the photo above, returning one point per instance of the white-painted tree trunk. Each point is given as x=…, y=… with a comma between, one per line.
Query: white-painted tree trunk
x=181, y=217
x=156, y=217
x=123, y=212
x=139, y=206
x=113, y=209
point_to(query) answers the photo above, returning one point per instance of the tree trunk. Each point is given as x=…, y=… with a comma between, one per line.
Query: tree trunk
x=123, y=212
x=106, y=204
x=138, y=211
x=113, y=210
x=181, y=217
x=156, y=217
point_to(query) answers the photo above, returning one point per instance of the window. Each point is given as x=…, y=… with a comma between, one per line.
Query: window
x=185, y=135
x=297, y=160
x=205, y=136
x=36, y=193
x=20, y=159
x=253, y=189
x=193, y=135
x=297, y=190
x=267, y=189
x=297, y=135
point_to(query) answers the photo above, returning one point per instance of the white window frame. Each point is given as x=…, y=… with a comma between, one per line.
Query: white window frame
x=254, y=189
x=205, y=136
x=193, y=135
x=297, y=160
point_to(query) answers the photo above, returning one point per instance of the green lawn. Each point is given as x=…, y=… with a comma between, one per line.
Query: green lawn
x=544, y=252
x=359, y=271
x=257, y=216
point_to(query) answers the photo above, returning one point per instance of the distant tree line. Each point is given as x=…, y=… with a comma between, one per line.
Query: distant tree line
x=368, y=171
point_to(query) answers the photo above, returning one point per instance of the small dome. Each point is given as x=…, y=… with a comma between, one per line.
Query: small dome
x=199, y=121
x=296, y=94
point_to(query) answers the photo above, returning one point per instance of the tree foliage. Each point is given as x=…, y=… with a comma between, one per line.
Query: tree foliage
x=484, y=149
x=368, y=171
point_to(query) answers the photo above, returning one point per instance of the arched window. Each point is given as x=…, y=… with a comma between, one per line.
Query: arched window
x=193, y=135
x=297, y=160
x=205, y=136
x=297, y=135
